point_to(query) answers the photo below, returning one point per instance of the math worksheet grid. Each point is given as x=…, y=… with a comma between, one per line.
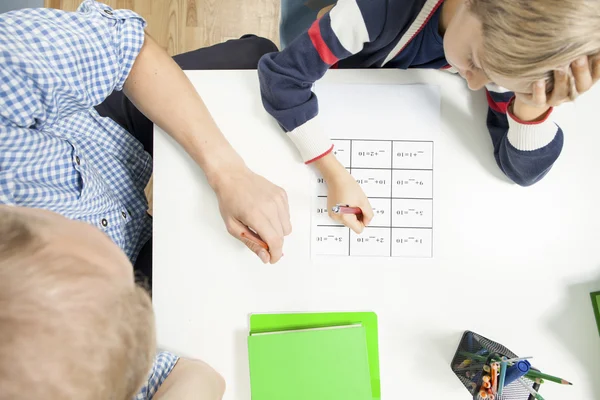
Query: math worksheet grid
x=397, y=177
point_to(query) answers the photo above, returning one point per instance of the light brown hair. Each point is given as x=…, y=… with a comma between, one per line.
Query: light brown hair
x=66, y=330
x=531, y=38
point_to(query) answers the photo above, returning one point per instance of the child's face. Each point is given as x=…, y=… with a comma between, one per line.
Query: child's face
x=463, y=45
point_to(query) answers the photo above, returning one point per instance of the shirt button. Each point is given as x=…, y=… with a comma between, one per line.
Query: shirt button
x=104, y=222
x=123, y=214
x=77, y=160
x=108, y=12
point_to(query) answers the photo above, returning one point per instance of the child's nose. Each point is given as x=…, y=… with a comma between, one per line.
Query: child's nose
x=476, y=80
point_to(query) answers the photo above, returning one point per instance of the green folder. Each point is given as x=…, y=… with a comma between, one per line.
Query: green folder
x=318, y=364
x=260, y=323
x=596, y=304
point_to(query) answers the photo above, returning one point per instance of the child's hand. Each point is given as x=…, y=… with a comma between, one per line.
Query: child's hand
x=343, y=189
x=585, y=71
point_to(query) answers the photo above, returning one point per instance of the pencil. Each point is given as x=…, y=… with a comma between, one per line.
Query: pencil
x=495, y=378
x=346, y=209
x=503, y=368
x=536, y=387
x=536, y=374
x=530, y=390
x=255, y=240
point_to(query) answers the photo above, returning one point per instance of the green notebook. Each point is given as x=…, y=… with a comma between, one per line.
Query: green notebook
x=281, y=322
x=596, y=304
x=317, y=364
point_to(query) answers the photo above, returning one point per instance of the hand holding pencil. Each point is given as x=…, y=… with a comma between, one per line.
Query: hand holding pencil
x=344, y=191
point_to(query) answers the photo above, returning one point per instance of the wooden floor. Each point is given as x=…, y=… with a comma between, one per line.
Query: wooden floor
x=184, y=25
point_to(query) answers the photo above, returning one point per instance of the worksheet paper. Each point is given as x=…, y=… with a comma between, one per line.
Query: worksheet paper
x=384, y=136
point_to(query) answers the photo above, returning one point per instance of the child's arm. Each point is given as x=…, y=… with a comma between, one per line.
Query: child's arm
x=191, y=379
x=287, y=77
x=286, y=80
x=526, y=141
x=524, y=151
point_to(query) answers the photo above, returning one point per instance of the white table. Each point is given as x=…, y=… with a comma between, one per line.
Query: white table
x=544, y=239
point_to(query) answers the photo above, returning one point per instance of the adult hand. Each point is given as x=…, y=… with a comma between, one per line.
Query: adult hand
x=249, y=203
x=344, y=190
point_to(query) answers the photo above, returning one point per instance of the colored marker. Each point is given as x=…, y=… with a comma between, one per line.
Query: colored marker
x=530, y=389
x=537, y=374
x=516, y=371
x=503, y=368
x=346, y=209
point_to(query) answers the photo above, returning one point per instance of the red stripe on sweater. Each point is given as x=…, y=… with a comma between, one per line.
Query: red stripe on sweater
x=319, y=157
x=498, y=106
x=439, y=3
x=317, y=40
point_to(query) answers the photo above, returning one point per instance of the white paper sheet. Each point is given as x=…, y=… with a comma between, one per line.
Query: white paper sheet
x=384, y=135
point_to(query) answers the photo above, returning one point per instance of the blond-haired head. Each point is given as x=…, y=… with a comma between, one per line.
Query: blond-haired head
x=529, y=39
x=70, y=328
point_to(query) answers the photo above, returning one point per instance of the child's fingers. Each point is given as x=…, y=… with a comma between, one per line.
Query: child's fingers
x=367, y=213
x=582, y=74
x=596, y=69
x=538, y=94
x=561, y=88
x=352, y=222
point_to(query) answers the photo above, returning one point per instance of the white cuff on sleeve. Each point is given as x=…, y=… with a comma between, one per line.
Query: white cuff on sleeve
x=311, y=140
x=533, y=135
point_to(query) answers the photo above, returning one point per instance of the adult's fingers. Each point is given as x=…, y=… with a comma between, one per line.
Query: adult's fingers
x=283, y=211
x=270, y=230
x=246, y=236
x=582, y=74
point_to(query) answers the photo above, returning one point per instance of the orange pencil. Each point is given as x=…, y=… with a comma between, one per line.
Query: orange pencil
x=256, y=240
x=495, y=378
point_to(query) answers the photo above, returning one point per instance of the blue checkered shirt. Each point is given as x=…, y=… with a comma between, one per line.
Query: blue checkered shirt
x=56, y=152
x=163, y=364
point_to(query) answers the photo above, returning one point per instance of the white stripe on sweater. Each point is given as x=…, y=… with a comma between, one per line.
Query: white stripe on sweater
x=414, y=28
x=349, y=26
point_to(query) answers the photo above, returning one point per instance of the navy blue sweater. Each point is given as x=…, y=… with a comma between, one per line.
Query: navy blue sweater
x=389, y=34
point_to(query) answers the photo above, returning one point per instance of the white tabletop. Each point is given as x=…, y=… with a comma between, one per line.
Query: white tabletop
x=535, y=250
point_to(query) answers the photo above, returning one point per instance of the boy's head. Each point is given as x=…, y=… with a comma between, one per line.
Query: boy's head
x=73, y=325
x=515, y=43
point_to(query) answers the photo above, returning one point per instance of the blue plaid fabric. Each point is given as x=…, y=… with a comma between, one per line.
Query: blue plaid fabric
x=163, y=364
x=56, y=152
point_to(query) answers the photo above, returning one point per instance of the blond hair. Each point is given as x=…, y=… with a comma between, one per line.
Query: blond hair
x=66, y=330
x=530, y=39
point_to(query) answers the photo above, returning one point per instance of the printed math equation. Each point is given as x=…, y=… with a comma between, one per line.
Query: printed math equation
x=397, y=177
